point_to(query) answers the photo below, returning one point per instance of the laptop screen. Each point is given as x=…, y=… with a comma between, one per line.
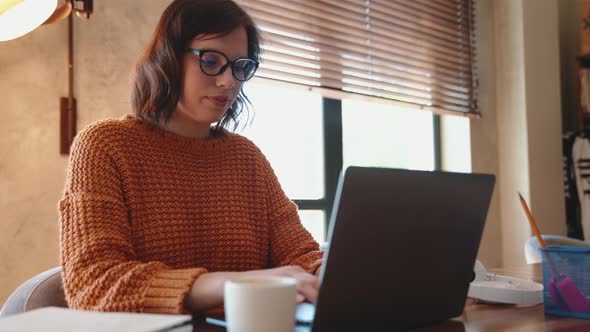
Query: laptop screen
x=403, y=244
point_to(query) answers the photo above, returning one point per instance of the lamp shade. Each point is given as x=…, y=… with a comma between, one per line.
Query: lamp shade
x=19, y=17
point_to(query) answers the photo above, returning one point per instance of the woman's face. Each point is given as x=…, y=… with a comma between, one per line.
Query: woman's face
x=205, y=99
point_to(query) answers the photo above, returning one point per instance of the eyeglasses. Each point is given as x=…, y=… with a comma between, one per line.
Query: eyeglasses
x=214, y=63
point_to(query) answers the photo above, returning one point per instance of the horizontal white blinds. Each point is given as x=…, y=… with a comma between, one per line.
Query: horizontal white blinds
x=418, y=52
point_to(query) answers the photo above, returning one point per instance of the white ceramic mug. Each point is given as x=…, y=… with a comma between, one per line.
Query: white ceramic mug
x=260, y=304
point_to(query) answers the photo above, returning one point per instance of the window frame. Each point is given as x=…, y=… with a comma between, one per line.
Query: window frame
x=333, y=156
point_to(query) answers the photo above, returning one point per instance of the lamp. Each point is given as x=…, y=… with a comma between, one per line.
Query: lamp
x=18, y=17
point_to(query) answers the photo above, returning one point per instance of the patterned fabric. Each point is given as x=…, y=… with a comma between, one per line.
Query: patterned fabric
x=145, y=212
x=572, y=202
x=581, y=158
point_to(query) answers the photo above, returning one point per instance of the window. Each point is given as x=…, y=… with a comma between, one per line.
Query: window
x=378, y=135
x=366, y=67
x=291, y=136
x=289, y=125
x=412, y=53
x=456, y=147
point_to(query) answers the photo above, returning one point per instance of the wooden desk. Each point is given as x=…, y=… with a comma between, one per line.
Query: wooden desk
x=479, y=317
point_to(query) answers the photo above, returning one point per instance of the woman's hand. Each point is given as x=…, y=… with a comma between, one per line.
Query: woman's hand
x=307, y=283
x=207, y=291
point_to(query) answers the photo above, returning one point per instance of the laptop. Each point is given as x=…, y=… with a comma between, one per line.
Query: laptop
x=402, y=246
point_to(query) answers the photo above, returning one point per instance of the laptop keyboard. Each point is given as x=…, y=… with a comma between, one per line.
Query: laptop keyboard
x=304, y=313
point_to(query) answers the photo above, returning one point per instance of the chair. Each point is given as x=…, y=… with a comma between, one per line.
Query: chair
x=43, y=290
x=532, y=249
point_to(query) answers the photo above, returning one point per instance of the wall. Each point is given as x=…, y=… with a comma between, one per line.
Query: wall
x=33, y=72
x=33, y=77
x=484, y=146
x=519, y=136
x=543, y=114
x=512, y=126
x=107, y=47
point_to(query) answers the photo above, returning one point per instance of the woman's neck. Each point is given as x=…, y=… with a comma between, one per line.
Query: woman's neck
x=186, y=127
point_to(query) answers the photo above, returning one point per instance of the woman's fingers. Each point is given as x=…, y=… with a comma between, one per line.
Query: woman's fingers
x=299, y=298
x=311, y=294
x=307, y=285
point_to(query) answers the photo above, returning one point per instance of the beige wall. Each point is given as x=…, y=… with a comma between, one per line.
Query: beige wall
x=519, y=107
x=512, y=136
x=520, y=134
x=33, y=75
x=484, y=133
x=107, y=47
x=32, y=78
x=543, y=115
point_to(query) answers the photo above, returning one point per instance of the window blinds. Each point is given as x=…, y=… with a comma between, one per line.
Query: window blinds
x=415, y=52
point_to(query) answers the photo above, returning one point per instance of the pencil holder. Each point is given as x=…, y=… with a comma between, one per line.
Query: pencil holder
x=566, y=281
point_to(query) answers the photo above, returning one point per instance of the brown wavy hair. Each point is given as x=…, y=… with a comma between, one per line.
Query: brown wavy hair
x=156, y=85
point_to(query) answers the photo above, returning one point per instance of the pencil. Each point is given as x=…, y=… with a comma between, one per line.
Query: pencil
x=537, y=233
x=532, y=221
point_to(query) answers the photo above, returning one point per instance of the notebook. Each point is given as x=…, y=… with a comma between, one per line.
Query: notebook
x=53, y=319
x=402, y=246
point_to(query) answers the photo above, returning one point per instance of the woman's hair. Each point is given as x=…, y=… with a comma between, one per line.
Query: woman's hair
x=156, y=86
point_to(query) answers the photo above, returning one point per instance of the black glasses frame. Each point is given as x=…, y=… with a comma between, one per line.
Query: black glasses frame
x=223, y=68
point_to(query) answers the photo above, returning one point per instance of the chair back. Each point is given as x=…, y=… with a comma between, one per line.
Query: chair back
x=43, y=290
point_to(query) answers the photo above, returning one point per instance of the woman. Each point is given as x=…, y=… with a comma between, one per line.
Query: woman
x=162, y=207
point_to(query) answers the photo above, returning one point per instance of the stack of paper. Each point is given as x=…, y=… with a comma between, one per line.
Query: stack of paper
x=52, y=319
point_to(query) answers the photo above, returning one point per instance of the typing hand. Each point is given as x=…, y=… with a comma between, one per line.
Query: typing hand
x=307, y=283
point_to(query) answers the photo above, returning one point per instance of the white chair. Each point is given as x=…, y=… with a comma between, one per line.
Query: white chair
x=43, y=290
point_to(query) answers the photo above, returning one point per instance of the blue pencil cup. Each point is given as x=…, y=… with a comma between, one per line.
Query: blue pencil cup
x=566, y=281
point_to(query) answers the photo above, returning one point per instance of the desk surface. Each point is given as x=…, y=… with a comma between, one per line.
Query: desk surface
x=485, y=317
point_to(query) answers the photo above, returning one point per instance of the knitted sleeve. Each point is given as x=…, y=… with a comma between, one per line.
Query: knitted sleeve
x=99, y=266
x=290, y=242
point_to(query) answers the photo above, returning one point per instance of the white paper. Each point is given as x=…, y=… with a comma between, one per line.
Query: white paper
x=50, y=319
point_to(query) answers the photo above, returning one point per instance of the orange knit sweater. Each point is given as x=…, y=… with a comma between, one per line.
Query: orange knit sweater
x=146, y=211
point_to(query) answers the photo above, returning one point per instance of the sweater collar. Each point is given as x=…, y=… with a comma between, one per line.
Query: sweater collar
x=216, y=141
